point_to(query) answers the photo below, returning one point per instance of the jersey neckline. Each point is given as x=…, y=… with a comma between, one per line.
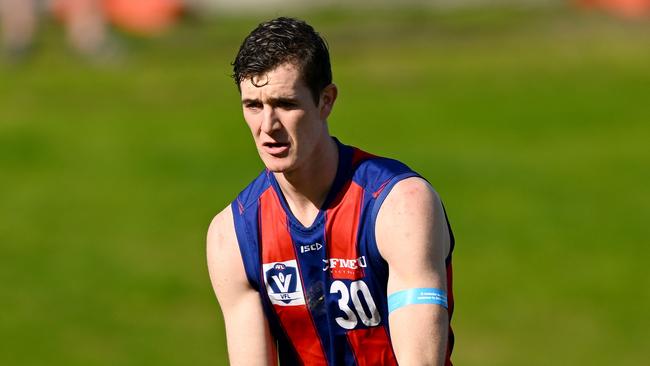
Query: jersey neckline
x=343, y=172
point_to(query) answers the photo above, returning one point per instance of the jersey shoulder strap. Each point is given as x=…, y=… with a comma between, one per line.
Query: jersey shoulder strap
x=245, y=217
x=377, y=175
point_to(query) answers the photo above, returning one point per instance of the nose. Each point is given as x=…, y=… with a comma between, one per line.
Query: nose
x=270, y=121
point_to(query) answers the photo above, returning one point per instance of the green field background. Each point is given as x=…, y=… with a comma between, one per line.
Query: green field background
x=534, y=127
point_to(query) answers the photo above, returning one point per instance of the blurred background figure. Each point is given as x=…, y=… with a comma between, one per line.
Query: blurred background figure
x=626, y=8
x=86, y=22
x=85, y=25
x=18, y=25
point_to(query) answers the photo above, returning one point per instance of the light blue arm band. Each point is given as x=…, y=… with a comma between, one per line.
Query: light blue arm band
x=417, y=296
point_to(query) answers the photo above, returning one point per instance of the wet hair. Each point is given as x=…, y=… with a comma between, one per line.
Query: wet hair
x=283, y=40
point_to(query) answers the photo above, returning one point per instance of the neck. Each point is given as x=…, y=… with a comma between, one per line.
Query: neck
x=306, y=187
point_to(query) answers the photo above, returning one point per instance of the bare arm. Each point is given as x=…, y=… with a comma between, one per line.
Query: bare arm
x=413, y=238
x=249, y=339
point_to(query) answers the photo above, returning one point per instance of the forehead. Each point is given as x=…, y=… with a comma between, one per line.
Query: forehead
x=283, y=80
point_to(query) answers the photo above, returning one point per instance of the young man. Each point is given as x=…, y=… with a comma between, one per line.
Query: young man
x=331, y=256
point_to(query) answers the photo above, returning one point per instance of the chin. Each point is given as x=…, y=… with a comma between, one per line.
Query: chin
x=277, y=165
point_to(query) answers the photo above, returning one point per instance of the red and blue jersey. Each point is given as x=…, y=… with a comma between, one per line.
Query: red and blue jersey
x=323, y=287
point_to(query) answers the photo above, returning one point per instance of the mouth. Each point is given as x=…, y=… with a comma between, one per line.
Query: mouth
x=276, y=148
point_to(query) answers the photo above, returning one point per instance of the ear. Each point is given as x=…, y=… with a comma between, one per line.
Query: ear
x=327, y=99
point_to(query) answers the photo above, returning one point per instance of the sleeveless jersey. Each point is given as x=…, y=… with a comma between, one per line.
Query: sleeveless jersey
x=323, y=287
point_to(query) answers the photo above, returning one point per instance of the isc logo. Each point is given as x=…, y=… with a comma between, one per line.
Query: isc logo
x=310, y=247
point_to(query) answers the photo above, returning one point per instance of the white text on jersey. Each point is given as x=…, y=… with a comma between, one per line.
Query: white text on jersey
x=334, y=263
x=310, y=247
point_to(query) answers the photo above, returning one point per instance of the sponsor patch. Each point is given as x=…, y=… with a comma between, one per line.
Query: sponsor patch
x=342, y=268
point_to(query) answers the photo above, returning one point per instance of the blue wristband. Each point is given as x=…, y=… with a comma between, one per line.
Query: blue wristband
x=417, y=296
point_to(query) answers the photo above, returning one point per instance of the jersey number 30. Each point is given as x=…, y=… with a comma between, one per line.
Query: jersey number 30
x=369, y=317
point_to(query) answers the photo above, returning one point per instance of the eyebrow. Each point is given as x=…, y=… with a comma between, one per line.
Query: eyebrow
x=248, y=100
x=272, y=101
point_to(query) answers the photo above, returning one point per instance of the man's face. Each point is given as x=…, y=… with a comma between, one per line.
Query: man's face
x=286, y=124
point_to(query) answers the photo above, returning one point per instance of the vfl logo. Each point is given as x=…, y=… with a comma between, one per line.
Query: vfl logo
x=283, y=283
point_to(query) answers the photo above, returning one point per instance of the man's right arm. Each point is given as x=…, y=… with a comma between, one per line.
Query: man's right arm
x=247, y=331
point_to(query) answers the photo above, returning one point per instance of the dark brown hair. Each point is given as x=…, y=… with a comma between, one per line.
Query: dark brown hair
x=283, y=40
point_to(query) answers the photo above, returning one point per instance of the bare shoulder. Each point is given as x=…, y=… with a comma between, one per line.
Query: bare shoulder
x=221, y=232
x=412, y=199
x=412, y=191
x=224, y=259
x=412, y=218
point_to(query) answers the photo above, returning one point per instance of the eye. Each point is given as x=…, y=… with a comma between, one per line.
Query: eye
x=286, y=104
x=253, y=105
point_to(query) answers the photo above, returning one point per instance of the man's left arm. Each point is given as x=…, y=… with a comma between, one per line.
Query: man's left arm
x=413, y=238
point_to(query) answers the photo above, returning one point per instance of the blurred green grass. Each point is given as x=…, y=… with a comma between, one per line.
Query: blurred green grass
x=532, y=125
